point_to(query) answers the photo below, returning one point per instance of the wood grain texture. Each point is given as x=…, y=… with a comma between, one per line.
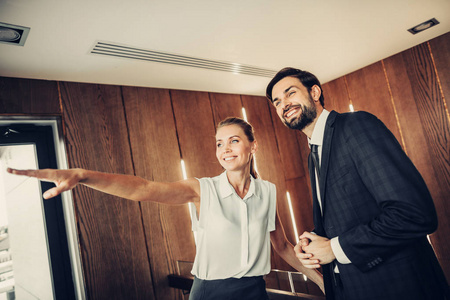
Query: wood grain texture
x=294, y=151
x=196, y=133
x=156, y=156
x=225, y=105
x=301, y=203
x=293, y=155
x=440, y=49
x=288, y=147
x=368, y=91
x=113, y=249
x=336, y=95
x=269, y=163
x=28, y=96
x=424, y=120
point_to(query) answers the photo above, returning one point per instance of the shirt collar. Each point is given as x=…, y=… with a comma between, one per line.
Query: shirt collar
x=319, y=129
x=226, y=189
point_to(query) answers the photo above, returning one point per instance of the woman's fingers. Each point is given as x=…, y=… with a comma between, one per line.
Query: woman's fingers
x=29, y=173
x=21, y=172
x=58, y=189
x=45, y=174
x=53, y=192
x=63, y=179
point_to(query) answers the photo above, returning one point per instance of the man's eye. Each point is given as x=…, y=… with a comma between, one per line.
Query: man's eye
x=276, y=103
x=291, y=93
x=219, y=145
x=235, y=141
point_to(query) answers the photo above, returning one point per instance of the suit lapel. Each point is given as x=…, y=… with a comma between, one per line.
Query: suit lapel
x=326, y=149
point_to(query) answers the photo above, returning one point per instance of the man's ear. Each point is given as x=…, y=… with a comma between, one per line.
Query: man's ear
x=315, y=92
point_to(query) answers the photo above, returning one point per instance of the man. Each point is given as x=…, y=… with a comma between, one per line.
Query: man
x=372, y=209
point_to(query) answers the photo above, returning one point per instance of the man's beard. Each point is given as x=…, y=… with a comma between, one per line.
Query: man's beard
x=308, y=115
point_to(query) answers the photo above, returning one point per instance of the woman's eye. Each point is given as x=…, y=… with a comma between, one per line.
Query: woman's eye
x=291, y=93
x=235, y=141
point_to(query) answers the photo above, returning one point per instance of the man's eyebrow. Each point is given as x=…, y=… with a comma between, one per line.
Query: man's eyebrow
x=285, y=92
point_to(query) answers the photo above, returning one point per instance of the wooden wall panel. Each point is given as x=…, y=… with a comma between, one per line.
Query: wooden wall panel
x=423, y=115
x=288, y=147
x=440, y=49
x=28, y=96
x=301, y=203
x=294, y=157
x=156, y=156
x=336, y=95
x=368, y=91
x=112, y=242
x=196, y=133
x=225, y=105
x=269, y=163
x=268, y=158
x=293, y=150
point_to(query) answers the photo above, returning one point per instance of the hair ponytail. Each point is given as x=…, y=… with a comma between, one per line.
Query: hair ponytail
x=253, y=171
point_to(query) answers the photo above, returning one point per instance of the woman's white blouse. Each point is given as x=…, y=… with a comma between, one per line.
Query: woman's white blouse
x=233, y=234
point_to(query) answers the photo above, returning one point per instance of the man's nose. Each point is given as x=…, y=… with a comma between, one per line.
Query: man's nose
x=285, y=105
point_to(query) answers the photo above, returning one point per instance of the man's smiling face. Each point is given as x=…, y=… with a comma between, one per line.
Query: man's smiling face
x=293, y=102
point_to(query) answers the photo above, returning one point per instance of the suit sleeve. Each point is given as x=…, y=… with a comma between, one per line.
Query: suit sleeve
x=405, y=207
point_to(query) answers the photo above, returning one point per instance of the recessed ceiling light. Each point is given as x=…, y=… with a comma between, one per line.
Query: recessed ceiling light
x=423, y=26
x=13, y=34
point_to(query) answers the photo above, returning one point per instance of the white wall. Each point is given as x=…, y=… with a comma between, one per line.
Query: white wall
x=26, y=224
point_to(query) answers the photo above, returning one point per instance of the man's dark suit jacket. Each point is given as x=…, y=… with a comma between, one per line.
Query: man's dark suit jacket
x=376, y=202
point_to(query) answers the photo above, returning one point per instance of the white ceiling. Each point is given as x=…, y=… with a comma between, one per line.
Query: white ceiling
x=329, y=38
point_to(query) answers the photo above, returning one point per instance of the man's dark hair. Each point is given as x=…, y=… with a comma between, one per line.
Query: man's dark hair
x=307, y=79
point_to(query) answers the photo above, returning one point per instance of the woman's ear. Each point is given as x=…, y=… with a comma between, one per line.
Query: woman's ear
x=254, y=147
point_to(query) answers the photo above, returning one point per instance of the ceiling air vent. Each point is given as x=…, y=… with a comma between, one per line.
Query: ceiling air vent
x=110, y=49
x=13, y=34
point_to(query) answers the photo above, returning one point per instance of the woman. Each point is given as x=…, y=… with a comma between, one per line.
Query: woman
x=237, y=215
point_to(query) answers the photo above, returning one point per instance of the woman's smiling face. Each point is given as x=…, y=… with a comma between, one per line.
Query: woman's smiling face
x=233, y=149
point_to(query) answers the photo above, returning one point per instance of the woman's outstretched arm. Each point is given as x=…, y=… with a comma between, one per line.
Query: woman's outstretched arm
x=286, y=250
x=124, y=186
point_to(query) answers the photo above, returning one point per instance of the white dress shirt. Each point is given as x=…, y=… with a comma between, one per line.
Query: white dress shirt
x=233, y=234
